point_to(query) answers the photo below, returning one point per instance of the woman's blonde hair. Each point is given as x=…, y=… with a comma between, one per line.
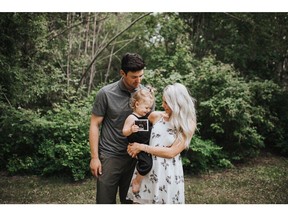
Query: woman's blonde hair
x=183, y=114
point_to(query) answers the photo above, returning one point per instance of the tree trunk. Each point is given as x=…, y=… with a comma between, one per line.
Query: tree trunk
x=93, y=68
x=69, y=20
x=109, y=65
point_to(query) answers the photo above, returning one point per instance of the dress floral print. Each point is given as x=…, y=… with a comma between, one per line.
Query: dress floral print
x=164, y=184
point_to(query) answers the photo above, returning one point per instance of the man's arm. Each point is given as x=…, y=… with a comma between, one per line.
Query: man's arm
x=95, y=164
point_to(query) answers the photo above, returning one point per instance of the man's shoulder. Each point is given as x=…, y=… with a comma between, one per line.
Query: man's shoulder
x=111, y=85
x=107, y=89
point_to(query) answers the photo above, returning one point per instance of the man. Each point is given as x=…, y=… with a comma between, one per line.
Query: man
x=110, y=162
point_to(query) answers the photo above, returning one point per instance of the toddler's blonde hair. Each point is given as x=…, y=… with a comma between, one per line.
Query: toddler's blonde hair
x=142, y=95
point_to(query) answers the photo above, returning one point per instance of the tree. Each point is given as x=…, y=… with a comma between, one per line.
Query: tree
x=255, y=43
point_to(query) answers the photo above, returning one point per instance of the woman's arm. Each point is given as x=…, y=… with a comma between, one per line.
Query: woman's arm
x=165, y=152
x=155, y=116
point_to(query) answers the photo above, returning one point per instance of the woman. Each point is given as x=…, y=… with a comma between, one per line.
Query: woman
x=171, y=134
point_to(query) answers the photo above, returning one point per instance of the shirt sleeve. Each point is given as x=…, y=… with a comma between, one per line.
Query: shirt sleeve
x=100, y=104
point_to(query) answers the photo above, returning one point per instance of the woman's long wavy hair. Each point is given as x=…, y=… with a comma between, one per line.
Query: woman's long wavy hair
x=183, y=111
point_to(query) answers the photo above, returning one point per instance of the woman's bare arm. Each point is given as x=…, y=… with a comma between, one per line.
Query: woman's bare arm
x=164, y=152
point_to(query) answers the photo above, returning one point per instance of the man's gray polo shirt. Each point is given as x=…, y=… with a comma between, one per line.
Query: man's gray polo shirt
x=113, y=103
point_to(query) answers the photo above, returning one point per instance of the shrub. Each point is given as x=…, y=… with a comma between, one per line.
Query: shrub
x=203, y=155
x=225, y=109
x=56, y=142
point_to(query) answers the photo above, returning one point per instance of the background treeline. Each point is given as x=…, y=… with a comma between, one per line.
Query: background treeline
x=52, y=64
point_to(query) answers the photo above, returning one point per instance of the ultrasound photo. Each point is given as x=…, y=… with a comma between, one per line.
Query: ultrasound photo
x=142, y=124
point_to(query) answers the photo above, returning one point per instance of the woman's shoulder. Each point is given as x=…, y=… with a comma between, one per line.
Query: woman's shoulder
x=155, y=116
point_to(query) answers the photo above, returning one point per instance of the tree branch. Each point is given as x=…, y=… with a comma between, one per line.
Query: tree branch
x=103, y=48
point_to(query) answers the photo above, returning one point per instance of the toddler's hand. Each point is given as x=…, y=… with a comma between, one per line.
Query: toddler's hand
x=134, y=128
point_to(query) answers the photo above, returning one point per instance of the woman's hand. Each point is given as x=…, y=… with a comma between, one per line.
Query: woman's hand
x=134, y=148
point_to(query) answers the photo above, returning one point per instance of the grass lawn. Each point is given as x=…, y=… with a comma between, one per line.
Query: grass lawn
x=260, y=181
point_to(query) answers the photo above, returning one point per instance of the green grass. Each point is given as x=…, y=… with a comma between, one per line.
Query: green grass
x=40, y=190
x=260, y=181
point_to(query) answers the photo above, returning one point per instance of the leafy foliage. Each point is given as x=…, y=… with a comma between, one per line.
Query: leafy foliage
x=255, y=43
x=204, y=155
x=225, y=109
x=53, y=143
x=235, y=65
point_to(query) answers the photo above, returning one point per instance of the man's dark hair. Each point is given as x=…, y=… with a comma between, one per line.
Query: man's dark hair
x=132, y=62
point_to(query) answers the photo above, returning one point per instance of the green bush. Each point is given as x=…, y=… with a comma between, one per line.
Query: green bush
x=19, y=135
x=159, y=79
x=225, y=109
x=68, y=158
x=204, y=155
x=54, y=142
x=272, y=119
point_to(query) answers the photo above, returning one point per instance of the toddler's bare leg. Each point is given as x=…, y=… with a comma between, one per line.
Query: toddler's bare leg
x=136, y=183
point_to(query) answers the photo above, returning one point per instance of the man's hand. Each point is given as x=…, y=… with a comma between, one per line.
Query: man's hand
x=95, y=167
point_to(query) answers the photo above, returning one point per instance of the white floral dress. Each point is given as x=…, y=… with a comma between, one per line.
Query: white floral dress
x=164, y=184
